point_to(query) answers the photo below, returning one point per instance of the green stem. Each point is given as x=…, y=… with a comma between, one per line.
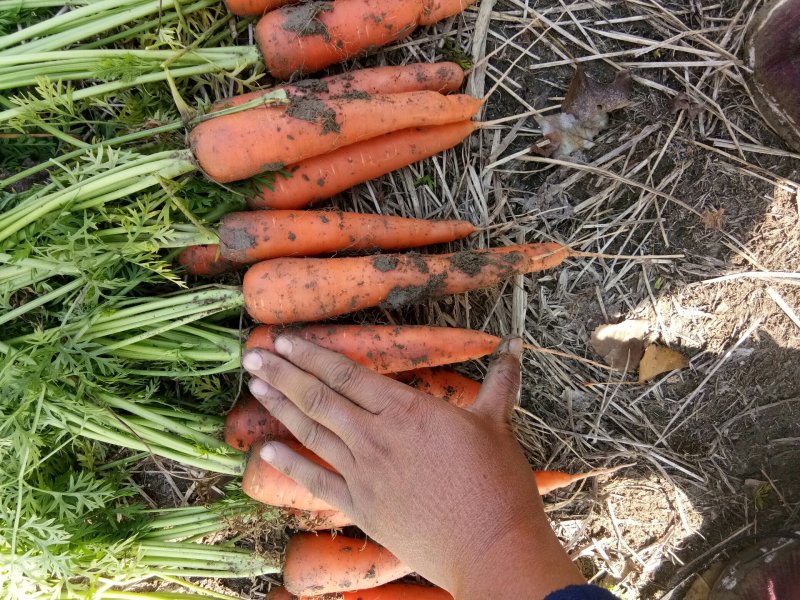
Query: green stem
x=234, y=63
x=105, y=187
x=41, y=301
x=80, y=24
x=150, y=25
x=118, y=141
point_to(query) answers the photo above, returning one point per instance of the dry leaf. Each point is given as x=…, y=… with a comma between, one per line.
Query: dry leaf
x=685, y=102
x=621, y=345
x=713, y=219
x=584, y=113
x=658, y=360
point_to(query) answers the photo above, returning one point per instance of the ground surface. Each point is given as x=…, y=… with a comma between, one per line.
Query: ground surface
x=714, y=449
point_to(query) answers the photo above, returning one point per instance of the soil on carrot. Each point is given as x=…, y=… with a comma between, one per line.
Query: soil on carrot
x=312, y=109
x=303, y=19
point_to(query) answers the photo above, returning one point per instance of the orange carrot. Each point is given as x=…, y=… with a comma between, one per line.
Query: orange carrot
x=442, y=77
x=387, y=348
x=319, y=520
x=263, y=482
x=252, y=8
x=337, y=286
x=437, y=10
x=267, y=138
x=321, y=564
x=390, y=591
x=449, y=385
x=549, y=481
x=398, y=591
x=248, y=237
x=249, y=422
x=206, y=261
x=314, y=35
x=321, y=177
x=280, y=593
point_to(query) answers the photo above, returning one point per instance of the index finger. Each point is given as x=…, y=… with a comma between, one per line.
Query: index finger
x=370, y=390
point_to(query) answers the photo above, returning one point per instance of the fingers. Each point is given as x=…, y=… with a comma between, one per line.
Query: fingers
x=321, y=482
x=315, y=399
x=365, y=387
x=500, y=388
x=308, y=432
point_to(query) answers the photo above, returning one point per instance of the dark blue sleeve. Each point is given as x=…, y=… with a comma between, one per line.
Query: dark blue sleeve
x=582, y=592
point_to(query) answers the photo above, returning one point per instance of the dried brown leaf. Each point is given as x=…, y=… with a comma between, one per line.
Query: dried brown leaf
x=685, y=102
x=713, y=219
x=621, y=345
x=584, y=113
x=658, y=360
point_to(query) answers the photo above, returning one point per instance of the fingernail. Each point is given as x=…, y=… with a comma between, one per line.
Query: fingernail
x=515, y=347
x=252, y=361
x=283, y=345
x=259, y=388
x=267, y=453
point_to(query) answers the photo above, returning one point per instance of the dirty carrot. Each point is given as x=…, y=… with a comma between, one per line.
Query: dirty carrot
x=249, y=422
x=253, y=8
x=313, y=35
x=263, y=482
x=390, y=591
x=241, y=144
x=387, y=348
x=205, y=260
x=451, y=386
x=442, y=77
x=321, y=177
x=248, y=237
x=320, y=520
x=397, y=591
x=337, y=286
x=321, y=564
x=549, y=481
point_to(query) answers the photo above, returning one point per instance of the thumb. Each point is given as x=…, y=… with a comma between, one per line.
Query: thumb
x=500, y=389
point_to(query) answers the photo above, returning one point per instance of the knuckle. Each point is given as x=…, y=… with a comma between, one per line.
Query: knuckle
x=312, y=436
x=317, y=401
x=343, y=374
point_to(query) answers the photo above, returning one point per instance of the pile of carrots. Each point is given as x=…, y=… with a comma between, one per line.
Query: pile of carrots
x=319, y=138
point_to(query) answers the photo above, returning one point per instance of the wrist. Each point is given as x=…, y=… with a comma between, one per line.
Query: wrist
x=524, y=564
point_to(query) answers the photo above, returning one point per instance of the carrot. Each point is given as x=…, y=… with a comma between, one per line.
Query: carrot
x=336, y=286
x=314, y=35
x=318, y=565
x=206, y=261
x=319, y=520
x=263, y=482
x=438, y=10
x=252, y=8
x=248, y=237
x=442, y=77
x=249, y=422
x=321, y=177
x=549, y=481
x=387, y=348
x=398, y=591
x=449, y=385
x=390, y=591
x=267, y=138
x=280, y=593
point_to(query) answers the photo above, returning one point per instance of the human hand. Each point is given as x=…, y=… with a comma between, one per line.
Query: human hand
x=447, y=490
